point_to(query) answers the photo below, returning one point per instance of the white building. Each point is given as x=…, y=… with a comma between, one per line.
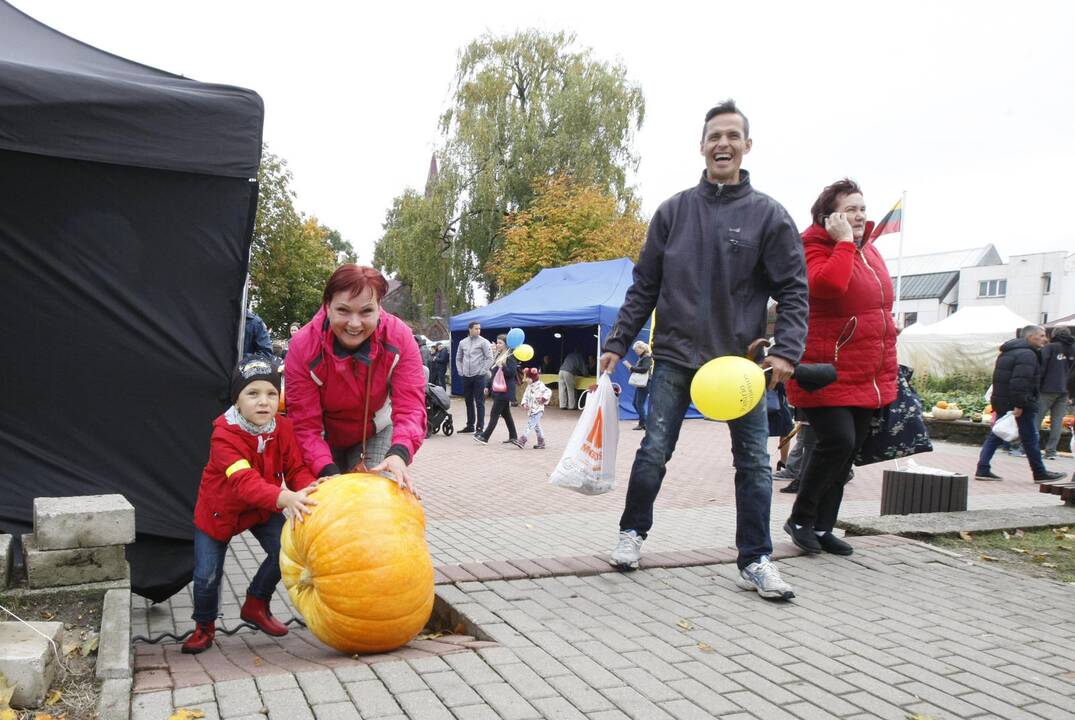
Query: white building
x=1038, y=286
x=930, y=286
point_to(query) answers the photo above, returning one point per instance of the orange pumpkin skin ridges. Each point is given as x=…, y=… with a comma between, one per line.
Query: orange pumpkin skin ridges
x=358, y=569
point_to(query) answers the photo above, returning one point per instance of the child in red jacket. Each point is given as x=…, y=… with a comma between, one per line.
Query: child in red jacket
x=255, y=470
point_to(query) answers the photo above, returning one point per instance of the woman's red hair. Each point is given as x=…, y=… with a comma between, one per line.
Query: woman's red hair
x=354, y=279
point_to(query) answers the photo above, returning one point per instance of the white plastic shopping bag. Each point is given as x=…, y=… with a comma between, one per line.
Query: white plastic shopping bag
x=1006, y=428
x=588, y=464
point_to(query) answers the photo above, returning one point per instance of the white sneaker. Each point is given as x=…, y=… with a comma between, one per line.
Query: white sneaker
x=765, y=578
x=628, y=551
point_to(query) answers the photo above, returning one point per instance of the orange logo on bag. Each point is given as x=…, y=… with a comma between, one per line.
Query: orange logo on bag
x=595, y=440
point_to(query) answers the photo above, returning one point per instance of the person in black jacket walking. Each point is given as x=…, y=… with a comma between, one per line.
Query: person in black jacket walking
x=640, y=372
x=714, y=255
x=1057, y=360
x=1016, y=378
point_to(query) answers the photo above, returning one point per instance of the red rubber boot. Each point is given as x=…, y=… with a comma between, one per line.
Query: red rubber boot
x=255, y=610
x=201, y=640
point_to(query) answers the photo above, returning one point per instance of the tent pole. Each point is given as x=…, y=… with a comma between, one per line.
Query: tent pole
x=899, y=261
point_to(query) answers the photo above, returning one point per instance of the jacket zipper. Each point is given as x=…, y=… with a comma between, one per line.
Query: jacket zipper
x=884, y=323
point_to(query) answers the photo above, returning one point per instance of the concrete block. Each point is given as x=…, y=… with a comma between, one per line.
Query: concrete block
x=85, y=521
x=54, y=568
x=5, y=561
x=28, y=661
x=114, y=702
x=114, y=650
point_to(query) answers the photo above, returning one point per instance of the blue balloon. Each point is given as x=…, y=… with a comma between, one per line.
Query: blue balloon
x=516, y=336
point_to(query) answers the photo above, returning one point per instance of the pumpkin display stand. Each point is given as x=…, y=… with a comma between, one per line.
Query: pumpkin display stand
x=358, y=569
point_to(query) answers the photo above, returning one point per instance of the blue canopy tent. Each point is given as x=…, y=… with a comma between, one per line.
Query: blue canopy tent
x=561, y=309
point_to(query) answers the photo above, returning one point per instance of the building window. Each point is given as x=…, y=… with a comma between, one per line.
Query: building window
x=1044, y=318
x=1046, y=283
x=992, y=288
x=910, y=319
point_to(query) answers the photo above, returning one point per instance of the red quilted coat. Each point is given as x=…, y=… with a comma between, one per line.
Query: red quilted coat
x=850, y=323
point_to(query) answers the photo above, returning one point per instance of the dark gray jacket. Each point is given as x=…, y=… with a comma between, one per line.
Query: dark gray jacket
x=713, y=258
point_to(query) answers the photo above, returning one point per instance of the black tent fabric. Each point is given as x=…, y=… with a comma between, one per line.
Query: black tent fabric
x=128, y=208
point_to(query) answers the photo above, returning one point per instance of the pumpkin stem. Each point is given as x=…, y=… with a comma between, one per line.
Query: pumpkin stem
x=306, y=579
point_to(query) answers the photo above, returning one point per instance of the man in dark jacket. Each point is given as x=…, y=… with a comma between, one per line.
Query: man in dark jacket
x=713, y=257
x=1016, y=378
x=256, y=339
x=440, y=365
x=1057, y=359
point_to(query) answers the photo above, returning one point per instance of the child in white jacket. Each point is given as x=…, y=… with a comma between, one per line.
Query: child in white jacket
x=535, y=398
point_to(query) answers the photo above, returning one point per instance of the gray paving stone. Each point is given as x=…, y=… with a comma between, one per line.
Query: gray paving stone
x=428, y=665
x=703, y=696
x=475, y=712
x=398, y=677
x=283, y=681
x=592, y=673
x=193, y=695
x=321, y=686
x=237, y=697
x=525, y=681
x=336, y=711
x=634, y=704
x=472, y=668
x=579, y=694
x=508, y=703
x=557, y=708
x=287, y=704
x=209, y=711
x=151, y=706
x=649, y=686
x=354, y=673
x=759, y=706
x=423, y=704
x=685, y=710
x=451, y=689
x=372, y=698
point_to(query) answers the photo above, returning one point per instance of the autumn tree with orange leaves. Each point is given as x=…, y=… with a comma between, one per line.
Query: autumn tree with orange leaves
x=568, y=222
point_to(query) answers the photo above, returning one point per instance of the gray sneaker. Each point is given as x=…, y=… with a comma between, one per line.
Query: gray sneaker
x=765, y=578
x=628, y=551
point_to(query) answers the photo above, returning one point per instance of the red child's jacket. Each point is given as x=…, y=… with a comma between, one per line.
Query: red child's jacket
x=242, y=480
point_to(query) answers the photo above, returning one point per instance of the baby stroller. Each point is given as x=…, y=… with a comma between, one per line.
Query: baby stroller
x=437, y=417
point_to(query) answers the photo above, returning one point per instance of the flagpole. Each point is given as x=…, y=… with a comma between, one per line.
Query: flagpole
x=899, y=261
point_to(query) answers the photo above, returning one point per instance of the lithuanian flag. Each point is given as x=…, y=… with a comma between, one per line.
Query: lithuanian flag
x=890, y=223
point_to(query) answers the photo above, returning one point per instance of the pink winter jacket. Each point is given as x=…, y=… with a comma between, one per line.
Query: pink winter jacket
x=325, y=394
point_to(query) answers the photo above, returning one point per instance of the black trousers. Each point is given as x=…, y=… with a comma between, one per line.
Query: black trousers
x=501, y=408
x=840, y=431
x=474, y=398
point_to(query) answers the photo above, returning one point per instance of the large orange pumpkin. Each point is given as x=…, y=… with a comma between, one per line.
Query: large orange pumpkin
x=358, y=569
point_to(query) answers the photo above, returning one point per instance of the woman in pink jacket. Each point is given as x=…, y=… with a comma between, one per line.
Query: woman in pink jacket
x=355, y=389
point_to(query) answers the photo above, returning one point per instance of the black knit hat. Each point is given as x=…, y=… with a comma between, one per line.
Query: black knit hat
x=251, y=368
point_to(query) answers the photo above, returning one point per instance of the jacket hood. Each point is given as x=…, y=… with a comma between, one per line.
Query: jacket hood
x=1065, y=341
x=817, y=233
x=1017, y=344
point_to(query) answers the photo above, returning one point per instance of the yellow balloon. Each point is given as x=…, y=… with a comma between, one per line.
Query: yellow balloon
x=524, y=352
x=727, y=388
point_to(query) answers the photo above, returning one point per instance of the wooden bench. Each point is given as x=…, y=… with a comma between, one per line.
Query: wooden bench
x=905, y=492
x=1066, y=490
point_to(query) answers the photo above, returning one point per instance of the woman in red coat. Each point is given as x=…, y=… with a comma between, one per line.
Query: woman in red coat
x=851, y=327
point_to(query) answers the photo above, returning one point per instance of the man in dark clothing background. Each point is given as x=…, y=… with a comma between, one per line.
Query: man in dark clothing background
x=439, y=374
x=713, y=257
x=1057, y=360
x=1016, y=377
x=256, y=336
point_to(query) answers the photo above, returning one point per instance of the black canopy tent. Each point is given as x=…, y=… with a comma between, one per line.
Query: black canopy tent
x=128, y=202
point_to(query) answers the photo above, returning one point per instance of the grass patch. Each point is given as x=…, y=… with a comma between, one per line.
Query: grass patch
x=1046, y=553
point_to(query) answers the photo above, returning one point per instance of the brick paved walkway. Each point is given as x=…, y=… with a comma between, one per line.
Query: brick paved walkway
x=898, y=629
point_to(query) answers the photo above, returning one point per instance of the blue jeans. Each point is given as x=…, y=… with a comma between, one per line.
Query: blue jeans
x=640, y=404
x=1028, y=435
x=474, y=399
x=209, y=557
x=669, y=397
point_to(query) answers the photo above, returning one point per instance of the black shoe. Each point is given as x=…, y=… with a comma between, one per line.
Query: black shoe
x=804, y=538
x=792, y=487
x=1049, y=476
x=509, y=440
x=468, y=429
x=1050, y=455
x=479, y=438
x=639, y=427
x=987, y=475
x=832, y=544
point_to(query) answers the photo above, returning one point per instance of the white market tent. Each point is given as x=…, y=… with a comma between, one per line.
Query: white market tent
x=966, y=341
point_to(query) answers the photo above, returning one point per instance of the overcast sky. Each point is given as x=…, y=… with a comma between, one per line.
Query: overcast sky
x=968, y=106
